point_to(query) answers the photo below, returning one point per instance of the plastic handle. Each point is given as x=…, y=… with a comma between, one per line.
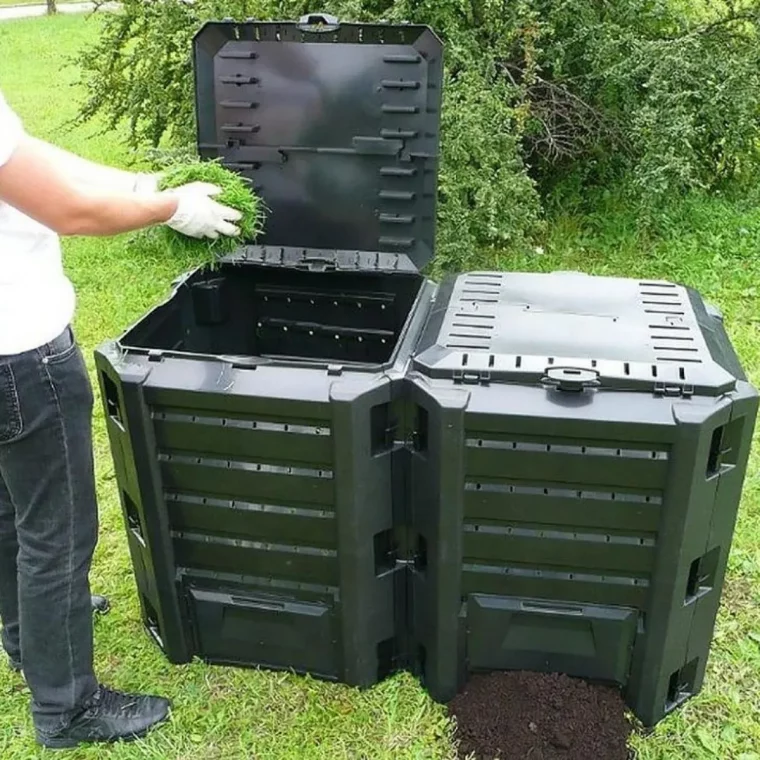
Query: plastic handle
x=318, y=22
x=571, y=379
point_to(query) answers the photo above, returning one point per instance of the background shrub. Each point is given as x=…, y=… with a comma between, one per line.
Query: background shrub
x=546, y=101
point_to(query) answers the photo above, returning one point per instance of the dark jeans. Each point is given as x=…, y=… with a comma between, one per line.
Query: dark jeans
x=48, y=525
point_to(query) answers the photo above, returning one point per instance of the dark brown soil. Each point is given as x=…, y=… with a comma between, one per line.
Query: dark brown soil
x=534, y=716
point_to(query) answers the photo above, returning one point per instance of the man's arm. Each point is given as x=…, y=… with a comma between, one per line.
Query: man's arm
x=89, y=174
x=39, y=189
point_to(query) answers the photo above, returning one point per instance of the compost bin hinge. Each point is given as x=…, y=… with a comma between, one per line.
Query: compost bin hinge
x=673, y=391
x=472, y=377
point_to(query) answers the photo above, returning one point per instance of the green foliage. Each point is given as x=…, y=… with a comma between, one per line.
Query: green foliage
x=674, y=99
x=235, y=193
x=545, y=100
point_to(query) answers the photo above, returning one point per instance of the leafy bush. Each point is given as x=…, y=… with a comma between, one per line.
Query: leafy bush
x=544, y=99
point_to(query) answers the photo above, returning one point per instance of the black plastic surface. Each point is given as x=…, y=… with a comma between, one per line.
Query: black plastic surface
x=264, y=630
x=298, y=503
x=523, y=634
x=575, y=521
x=259, y=405
x=337, y=126
x=247, y=310
x=575, y=332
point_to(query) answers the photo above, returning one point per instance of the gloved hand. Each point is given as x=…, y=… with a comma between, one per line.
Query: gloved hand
x=199, y=216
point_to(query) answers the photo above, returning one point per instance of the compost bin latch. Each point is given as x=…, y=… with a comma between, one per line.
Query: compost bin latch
x=318, y=23
x=571, y=379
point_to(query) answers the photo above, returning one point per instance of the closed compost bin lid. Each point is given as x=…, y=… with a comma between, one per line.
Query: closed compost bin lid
x=575, y=332
x=337, y=126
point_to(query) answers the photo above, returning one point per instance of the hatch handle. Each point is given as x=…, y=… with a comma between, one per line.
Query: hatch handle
x=318, y=23
x=571, y=379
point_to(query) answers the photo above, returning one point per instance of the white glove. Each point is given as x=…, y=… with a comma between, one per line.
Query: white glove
x=199, y=216
x=146, y=184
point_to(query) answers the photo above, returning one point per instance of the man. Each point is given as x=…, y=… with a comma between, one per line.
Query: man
x=48, y=513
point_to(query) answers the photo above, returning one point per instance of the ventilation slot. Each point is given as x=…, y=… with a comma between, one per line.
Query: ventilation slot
x=134, y=523
x=381, y=430
x=385, y=552
x=111, y=395
x=151, y=621
x=661, y=285
x=701, y=580
x=681, y=685
x=714, y=455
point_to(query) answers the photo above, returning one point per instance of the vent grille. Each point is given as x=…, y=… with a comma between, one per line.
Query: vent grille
x=673, y=338
x=475, y=313
x=567, y=330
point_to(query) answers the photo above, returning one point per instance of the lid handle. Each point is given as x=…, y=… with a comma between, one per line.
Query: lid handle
x=318, y=23
x=571, y=379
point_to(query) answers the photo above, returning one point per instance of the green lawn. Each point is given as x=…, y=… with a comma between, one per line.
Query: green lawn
x=224, y=714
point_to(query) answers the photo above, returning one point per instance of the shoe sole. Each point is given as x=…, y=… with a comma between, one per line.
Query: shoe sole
x=72, y=743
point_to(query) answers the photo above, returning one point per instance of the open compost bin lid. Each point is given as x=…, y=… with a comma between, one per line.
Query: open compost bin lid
x=336, y=125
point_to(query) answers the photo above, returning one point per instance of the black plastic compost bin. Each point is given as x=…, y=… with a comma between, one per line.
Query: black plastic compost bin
x=329, y=464
x=585, y=448
x=250, y=415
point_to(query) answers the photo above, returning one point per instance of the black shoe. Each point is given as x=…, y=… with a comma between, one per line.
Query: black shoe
x=110, y=716
x=100, y=604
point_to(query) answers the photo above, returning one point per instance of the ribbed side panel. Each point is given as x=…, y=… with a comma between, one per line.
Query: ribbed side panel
x=565, y=520
x=249, y=493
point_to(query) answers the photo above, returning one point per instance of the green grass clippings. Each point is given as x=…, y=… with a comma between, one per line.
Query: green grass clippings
x=236, y=193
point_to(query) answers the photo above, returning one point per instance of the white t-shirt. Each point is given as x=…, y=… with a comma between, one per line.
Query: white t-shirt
x=36, y=298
